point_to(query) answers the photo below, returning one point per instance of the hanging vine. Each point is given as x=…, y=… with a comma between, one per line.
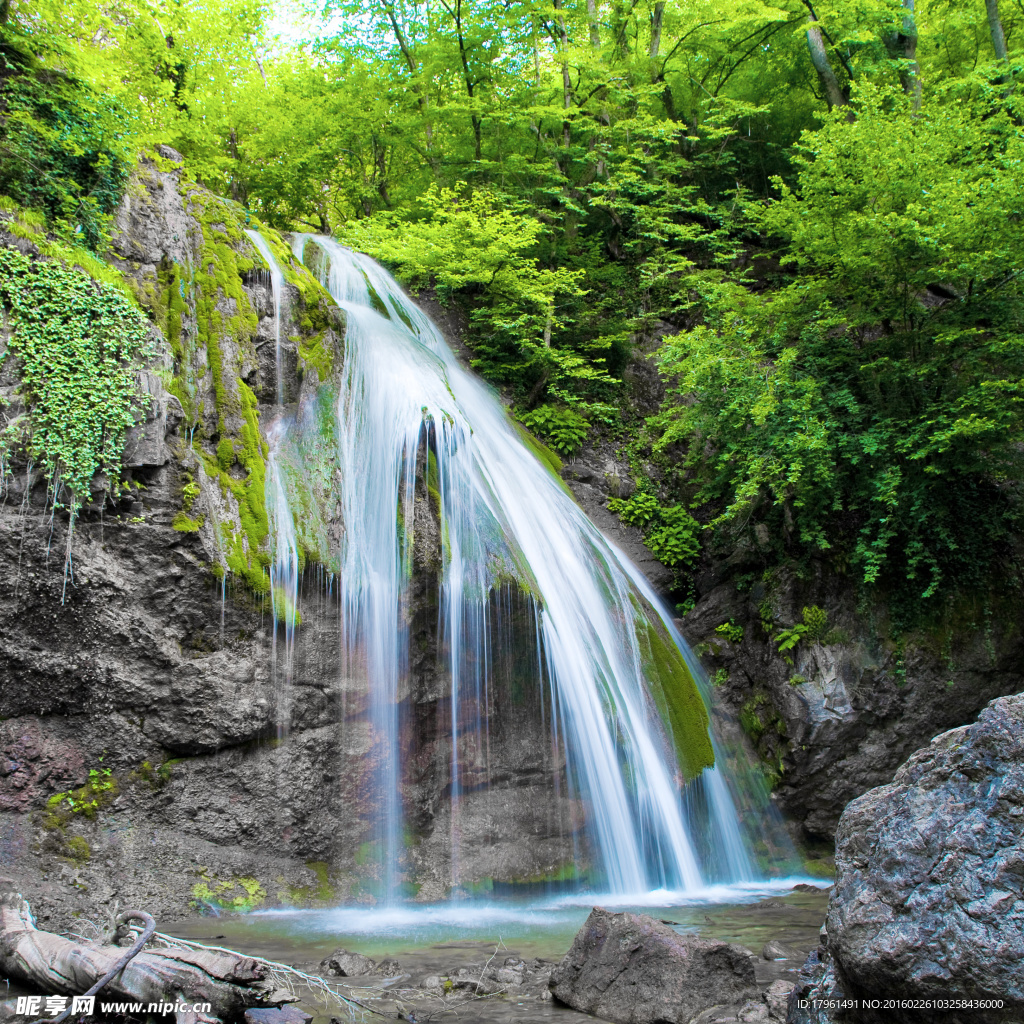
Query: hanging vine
x=76, y=341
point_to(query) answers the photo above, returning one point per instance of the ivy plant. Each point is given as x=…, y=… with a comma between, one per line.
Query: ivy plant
x=76, y=341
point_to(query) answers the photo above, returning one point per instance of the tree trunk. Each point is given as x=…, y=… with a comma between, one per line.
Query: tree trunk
x=595, y=31
x=656, y=20
x=819, y=58
x=563, y=48
x=55, y=965
x=902, y=46
x=995, y=27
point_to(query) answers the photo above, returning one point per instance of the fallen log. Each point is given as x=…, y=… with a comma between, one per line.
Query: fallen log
x=188, y=979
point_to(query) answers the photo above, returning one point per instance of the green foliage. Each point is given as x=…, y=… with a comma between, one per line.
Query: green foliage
x=189, y=493
x=640, y=509
x=675, y=541
x=86, y=801
x=814, y=629
x=562, y=428
x=731, y=631
x=872, y=403
x=75, y=342
x=816, y=621
x=840, y=290
x=67, y=149
x=671, y=534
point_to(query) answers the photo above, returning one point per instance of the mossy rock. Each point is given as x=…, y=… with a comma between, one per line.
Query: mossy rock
x=676, y=695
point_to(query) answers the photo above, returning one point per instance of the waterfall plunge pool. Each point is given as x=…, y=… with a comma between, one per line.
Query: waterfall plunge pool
x=441, y=938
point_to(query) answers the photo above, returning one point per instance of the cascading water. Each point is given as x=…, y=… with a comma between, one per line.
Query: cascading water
x=406, y=411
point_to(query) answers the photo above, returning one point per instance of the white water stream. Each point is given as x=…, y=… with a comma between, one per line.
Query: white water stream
x=503, y=516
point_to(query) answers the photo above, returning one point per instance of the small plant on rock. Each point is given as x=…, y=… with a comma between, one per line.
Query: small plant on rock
x=731, y=632
x=561, y=427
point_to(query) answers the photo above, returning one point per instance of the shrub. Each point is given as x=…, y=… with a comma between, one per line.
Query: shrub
x=562, y=428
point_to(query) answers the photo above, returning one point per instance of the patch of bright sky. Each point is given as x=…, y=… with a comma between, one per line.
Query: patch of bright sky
x=291, y=25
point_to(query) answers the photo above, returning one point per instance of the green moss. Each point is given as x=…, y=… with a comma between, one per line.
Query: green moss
x=284, y=608
x=238, y=894
x=184, y=523
x=751, y=716
x=315, y=352
x=541, y=450
x=154, y=777
x=321, y=891
x=84, y=802
x=78, y=848
x=677, y=696
x=823, y=867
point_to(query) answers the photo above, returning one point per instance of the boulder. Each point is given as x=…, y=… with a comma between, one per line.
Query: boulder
x=344, y=964
x=776, y=950
x=631, y=969
x=929, y=894
x=776, y=998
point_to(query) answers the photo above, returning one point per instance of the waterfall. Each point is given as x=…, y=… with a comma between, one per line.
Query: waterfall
x=407, y=411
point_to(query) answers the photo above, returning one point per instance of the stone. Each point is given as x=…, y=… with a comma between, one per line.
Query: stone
x=277, y=1015
x=776, y=998
x=775, y=950
x=432, y=981
x=929, y=894
x=344, y=964
x=753, y=1013
x=168, y=153
x=631, y=969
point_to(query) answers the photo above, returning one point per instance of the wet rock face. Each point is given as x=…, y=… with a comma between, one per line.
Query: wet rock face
x=852, y=706
x=631, y=969
x=929, y=895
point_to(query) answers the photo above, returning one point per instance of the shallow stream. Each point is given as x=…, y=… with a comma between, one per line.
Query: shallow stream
x=440, y=939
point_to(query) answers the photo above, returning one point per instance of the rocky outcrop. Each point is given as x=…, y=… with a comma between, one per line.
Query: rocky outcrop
x=631, y=969
x=929, y=897
x=839, y=712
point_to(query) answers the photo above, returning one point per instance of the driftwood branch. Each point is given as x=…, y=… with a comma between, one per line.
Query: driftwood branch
x=229, y=982
x=149, y=927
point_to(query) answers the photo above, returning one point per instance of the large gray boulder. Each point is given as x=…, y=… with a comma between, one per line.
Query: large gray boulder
x=929, y=894
x=631, y=969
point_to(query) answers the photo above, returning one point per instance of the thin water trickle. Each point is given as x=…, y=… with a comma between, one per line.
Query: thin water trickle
x=284, y=570
x=277, y=289
x=284, y=574
x=407, y=411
